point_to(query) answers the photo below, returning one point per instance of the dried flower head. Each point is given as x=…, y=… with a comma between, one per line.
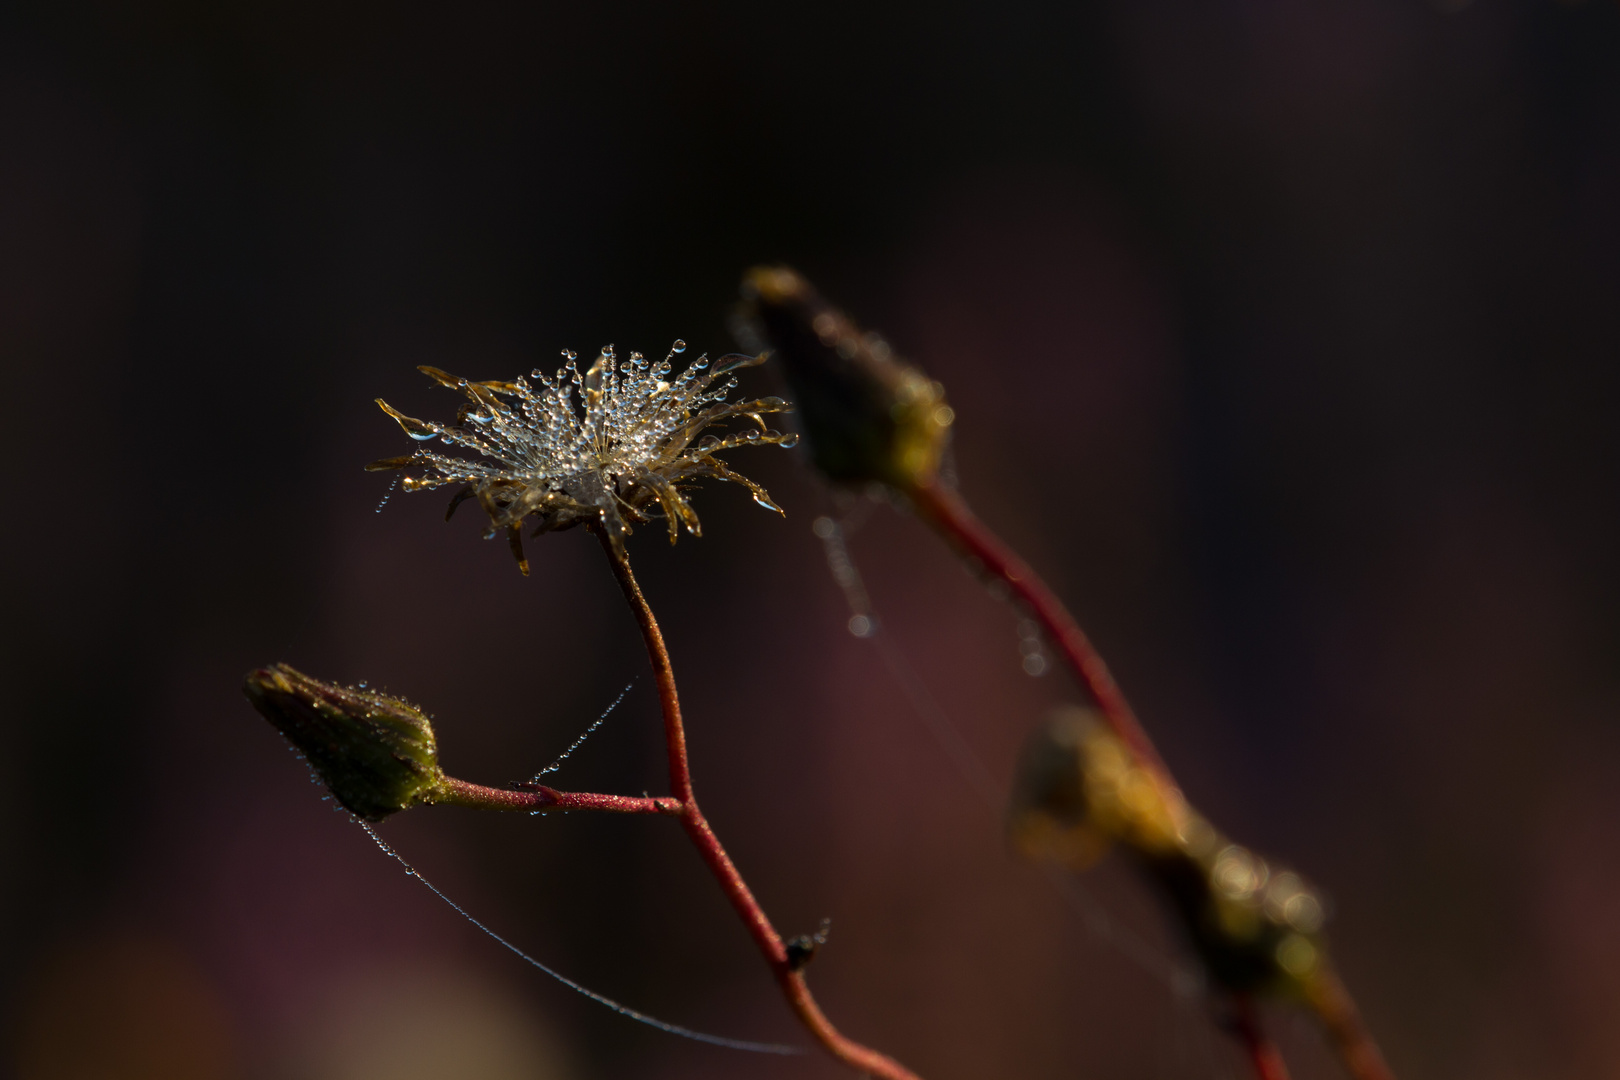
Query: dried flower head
x=622, y=454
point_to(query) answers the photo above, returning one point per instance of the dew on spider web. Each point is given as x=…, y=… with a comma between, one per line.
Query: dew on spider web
x=1031, y=647
x=387, y=494
x=863, y=623
x=600, y=999
x=575, y=745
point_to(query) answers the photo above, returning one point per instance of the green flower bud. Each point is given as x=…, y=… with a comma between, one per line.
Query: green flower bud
x=869, y=416
x=375, y=753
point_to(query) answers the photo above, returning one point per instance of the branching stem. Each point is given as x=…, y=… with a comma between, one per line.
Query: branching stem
x=766, y=939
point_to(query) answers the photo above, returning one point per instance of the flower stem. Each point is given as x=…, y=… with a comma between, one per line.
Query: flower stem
x=766, y=939
x=1263, y=1053
x=536, y=798
x=1338, y=1013
x=949, y=513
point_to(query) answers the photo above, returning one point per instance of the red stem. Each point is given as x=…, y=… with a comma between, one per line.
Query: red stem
x=769, y=942
x=949, y=513
x=1263, y=1053
x=538, y=797
x=945, y=510
x=1338, y=1012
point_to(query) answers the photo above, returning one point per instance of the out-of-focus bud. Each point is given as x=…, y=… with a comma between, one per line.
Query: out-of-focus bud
x=1255, y=926
x=1080, y=788
x=869, y=416
x=375, y=753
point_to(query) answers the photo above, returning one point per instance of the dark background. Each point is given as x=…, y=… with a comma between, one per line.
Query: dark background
x=1282, y=336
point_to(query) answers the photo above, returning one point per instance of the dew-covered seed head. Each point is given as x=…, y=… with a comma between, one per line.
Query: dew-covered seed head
x=613, y=446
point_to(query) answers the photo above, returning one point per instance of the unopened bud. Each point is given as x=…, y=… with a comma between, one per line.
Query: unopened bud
x=375, y=753
x=869, y=416
x=1256, y=926
x=1080, y=787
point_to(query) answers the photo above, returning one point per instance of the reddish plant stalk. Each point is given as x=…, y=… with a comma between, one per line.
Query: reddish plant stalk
x=1348, y=1031
x=1263, y=1053
x=949, y=513
x=794, y=988
x=537, y=797
x=943, y=508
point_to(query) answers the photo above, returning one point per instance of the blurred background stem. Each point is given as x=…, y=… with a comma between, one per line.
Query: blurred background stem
x=946, y=510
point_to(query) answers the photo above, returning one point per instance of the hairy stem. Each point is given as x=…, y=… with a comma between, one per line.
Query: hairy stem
x=536, y=798
x=949, y=513
x=766, y=939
